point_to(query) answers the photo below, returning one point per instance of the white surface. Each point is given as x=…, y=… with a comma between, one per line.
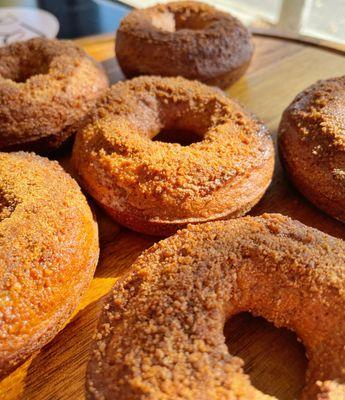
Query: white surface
x=324, y=19
x=17, y=23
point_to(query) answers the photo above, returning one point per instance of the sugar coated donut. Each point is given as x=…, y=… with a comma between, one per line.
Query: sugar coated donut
x=312, y=144
x=48, y=253
x=156, y=187
x=161, y=332
x=46, y=88
x=185, y=38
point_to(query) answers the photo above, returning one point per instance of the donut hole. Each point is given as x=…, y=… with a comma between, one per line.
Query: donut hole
x=24, y=73
x=24, y=66
x=181, y=123
x=170, y=22
x=191, y=22
x=184, y=137
x=273, y=357
x=7, y=205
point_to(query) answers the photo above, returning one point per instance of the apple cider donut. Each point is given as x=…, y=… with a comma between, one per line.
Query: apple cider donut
x=161, y=335
x=312, y=144
x=184, y=38
x=46, y=88
x=48, y=253
x=155, y=187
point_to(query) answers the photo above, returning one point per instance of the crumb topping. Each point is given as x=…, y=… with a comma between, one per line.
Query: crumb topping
x=48, y=251
x=319, y=112
x=46, y=86
x=196, y=40
x=115, y=150
x=161, y=332
x=312, y=144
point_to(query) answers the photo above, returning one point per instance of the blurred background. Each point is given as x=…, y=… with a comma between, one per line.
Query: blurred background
x=19, y=20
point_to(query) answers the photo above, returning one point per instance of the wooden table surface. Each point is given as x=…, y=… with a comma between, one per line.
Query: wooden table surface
x=273, y=357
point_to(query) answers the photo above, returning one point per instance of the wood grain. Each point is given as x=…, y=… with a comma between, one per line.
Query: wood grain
x=273, y=357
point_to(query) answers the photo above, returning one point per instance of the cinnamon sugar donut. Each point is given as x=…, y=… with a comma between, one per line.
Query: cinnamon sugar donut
x=161, y=332
x=156, y=187
x=312, y=144
x=48, y=253
x=185, y=38
x=46, y=88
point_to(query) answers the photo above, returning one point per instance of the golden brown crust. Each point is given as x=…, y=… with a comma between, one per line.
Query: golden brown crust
x=312, y=144
x=46, y=88
x=157, y=187
x=188, y=39
x=48, y=253
x=161, y=332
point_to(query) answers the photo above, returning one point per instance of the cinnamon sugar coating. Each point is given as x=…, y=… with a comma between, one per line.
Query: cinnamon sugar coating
x=46, y=88
x=161, y=336
x=155, y=187
x=186, y=38
x=48, y=253
x=312, y=144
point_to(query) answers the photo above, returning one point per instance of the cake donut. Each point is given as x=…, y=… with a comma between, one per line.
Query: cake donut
x=312, y=144
x=161, y=336
x=46, y=88
x=184, y=38
x=156, y=187
x=48, y=253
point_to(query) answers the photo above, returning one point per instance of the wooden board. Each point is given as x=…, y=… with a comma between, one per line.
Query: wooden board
x=273, y=358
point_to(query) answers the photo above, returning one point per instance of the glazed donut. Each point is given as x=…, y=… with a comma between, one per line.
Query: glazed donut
x=46, y=88
x=161, y=332
x=48, y=253
x=155, y=187
x=186, y=38
x=312, y=144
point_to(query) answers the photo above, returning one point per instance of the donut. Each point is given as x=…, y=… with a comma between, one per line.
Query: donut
x=161, y=336
x=46, y=88
x=156, y=187
x=185, y=38
x=312, y=144
x=48, y=253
